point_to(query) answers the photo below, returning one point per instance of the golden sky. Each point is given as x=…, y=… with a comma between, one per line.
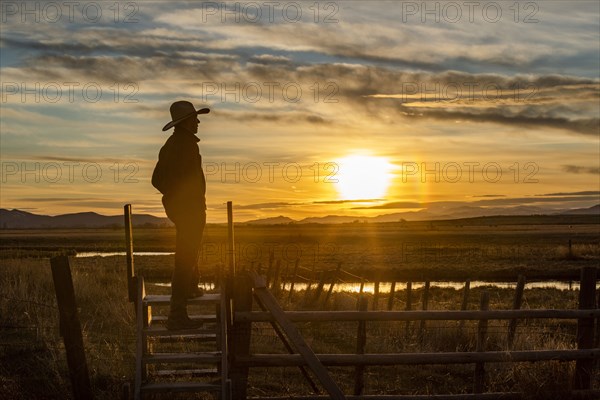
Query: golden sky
x=337, y=107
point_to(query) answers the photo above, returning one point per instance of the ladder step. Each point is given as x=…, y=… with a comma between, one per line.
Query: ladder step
x=206, y=358
x=158, y=330
x=179, y=387
x=204, y=318
x=156, y=299
x=185, y=372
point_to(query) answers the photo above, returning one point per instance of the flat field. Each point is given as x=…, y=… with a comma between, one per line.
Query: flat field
x=489, y=248
x=32, y=357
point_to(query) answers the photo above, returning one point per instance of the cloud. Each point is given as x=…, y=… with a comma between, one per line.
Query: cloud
x=269, y=59
x=439, y=206
x=164, y=60
x=347, y=201
x=279, y=117
x=392, y=205
x=379, y=82
x=585, y=193
x=265, y=206
x=588, y=126
x=516, y=201
x=44, y=199
x=576, y=169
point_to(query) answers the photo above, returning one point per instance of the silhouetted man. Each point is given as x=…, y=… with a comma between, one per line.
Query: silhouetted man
x=178, y=175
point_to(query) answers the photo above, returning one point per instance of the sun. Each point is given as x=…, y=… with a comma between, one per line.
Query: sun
x=361, y=177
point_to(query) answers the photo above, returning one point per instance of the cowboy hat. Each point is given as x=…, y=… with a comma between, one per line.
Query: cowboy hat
x=181, y=110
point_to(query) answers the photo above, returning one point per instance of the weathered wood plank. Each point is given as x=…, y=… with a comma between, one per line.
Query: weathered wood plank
x=479, y=378
x=70, y=328
x=432, y=315
x=344, y=360
x=289, y=348
x=585, y=328
x=361, y=342
x=579, y=394
x=465, y=302
x=239, y=338
x=230, y=240
x=299, y=343
x=171, y=358
x=390, y=305
x=512, y=325
x=177, y=387
x=293, y=281
x=131, y=286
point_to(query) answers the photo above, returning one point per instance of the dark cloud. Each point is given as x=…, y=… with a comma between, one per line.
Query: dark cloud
x=576, y=169
x=586, y=193
x=106, y=54
x=96, y=204
x=273, y=116
x=589, y=127
x=98, y=160
x=397, y=204
x=268, y=59
x=43, y=199
x=264, y=206
x=439, y=206
x=347, y=201
x=529, y=200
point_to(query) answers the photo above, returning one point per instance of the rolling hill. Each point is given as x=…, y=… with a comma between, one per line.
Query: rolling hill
x=18, y=219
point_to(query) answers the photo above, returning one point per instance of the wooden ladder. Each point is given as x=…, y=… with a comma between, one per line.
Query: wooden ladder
x=199, y=365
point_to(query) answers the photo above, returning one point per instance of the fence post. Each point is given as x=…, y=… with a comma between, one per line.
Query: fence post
x=319, y=288
x=390, y=305
x=585, y=328
x=276, y=283
x=479, y=379
x=293, y=281
x=597, y=339
x=270, y=268
x=408, y=305
x=512, y=325
x=361, y=288
x=465, y=303
x=425, y=305
x=70, y=328
x=230, y=240
x=361, y=341
x=240, y=337
x=334, y=279
x=229, y=283
x=131, y=284
x=375, y=306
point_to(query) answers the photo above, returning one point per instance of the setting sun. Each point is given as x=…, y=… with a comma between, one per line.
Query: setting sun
x=363, y=177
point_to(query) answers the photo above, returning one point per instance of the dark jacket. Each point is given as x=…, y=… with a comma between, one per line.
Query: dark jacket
x=178, y=175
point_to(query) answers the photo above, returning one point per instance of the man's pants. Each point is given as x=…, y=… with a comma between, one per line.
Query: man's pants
x=189, y=229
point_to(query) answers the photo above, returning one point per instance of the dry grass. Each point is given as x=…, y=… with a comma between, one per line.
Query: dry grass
x=32, y=357
x=539, y=380
x=33, y=361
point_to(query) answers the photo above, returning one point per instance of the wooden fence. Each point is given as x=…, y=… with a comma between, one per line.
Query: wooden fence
x=252, y=292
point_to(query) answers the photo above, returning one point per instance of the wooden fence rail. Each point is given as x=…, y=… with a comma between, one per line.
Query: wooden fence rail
x=586, y=356
x=349, y=360
x=432, y=315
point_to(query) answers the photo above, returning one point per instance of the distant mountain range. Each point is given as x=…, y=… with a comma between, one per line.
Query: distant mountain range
x=431, y=215
x=17, y=219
